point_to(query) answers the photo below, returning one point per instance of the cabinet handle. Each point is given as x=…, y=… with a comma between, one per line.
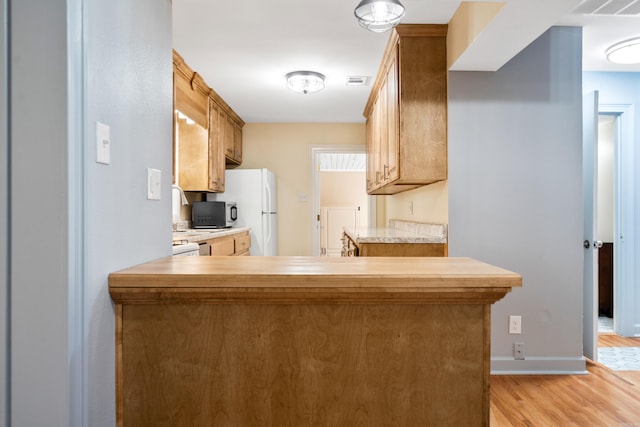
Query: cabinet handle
x=386, y=172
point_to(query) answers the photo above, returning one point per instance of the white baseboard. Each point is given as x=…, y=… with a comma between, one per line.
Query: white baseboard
x=539, y=366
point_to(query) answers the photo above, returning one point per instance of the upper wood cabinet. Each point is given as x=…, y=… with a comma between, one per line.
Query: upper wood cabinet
x=190, y=92
x=230, y=131
x=407, y=112
x=204, y=127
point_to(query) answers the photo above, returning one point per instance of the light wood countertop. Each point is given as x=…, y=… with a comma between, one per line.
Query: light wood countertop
x=194, y=235
x=391, y=235
x=299, y=279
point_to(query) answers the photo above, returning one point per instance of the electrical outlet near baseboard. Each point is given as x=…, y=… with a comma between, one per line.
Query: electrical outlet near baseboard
x=515, y=325
x=518, y=350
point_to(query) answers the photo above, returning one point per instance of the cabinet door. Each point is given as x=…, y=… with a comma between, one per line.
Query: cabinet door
x=191, y=144
x=217, y=127
x=377, y=132
x=222, y=246
x=242, y=244
x=392, y=151
x=233, y=142
x=383, y=134
x=237, y=143
x=229, y=146
x=190, y=97
x=371, y=155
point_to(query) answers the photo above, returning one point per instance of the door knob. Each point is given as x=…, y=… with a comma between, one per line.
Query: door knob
x=596, y=244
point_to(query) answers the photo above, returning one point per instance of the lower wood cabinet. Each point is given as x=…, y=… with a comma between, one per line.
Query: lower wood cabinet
x=233, y=245
x=352, y=248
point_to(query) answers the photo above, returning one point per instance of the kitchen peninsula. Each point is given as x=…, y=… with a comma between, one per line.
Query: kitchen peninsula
x=401, y=238
x=298, y=341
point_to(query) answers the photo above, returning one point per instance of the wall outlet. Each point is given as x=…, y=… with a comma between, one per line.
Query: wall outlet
x=515, y=325
x=518, y=350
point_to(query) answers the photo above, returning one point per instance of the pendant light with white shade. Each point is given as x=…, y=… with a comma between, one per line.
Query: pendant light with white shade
x=379, y=15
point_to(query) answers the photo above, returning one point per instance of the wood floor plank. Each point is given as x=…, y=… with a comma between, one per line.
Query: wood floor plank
x=602, y=398
x=614, y=340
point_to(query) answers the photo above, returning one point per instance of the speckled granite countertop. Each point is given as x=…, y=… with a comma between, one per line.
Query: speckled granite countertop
x=200, y=235
x=400, y=232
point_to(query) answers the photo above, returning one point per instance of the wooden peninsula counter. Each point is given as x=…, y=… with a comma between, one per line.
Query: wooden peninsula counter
x=305, y=341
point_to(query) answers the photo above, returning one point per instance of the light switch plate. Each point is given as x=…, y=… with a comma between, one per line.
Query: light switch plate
x=154, y=177
x=103, y=143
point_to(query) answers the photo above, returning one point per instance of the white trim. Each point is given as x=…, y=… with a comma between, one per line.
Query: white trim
x=539, y=366
x=624, y=293
x=76, y=259
x=5, y=344
x=314, y=180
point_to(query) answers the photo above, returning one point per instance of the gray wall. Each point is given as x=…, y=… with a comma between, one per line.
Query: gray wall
x=515, y=194
x=129, y=88
x=40, y=353
x=74, y=221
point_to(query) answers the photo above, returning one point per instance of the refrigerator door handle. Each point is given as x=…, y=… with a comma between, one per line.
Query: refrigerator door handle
x=267, y=191
x=265, y=218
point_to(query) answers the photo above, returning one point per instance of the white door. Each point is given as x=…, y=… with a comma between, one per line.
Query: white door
x=590, y=185
x=332, y=222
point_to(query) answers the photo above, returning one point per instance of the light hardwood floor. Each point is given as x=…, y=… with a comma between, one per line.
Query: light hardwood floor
x=602, y=398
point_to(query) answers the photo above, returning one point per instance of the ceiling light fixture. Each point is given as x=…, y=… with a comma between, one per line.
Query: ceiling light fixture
x=626, y=52
x=305, y=81
x=379, y=15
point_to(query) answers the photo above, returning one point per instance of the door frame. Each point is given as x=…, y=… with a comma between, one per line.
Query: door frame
x=624, y=293
x=314, y=206
x=5, y=296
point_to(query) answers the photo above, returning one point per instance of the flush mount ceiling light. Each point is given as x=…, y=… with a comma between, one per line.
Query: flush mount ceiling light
x=305, y=81
x=379, y=15
x=626, y=52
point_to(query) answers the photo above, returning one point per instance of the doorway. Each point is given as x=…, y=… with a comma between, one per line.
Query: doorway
x=619, y=119
x=338, y=196
x=605, y=228
x=609, y=218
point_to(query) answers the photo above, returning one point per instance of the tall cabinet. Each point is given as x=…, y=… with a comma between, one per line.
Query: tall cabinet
x=407, y=112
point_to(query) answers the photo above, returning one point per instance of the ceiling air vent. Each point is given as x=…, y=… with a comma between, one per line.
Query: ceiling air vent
x=357, y=80
x=609, y=7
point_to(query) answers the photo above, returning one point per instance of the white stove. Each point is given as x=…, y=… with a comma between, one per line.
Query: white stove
x=186, y=249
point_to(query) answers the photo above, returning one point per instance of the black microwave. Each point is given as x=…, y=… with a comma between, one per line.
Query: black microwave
x=214, y=214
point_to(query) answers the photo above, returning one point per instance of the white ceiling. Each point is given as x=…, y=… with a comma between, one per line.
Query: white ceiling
x=244, y=48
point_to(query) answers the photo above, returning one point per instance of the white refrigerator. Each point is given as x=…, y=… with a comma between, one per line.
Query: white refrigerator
x=254, y=191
